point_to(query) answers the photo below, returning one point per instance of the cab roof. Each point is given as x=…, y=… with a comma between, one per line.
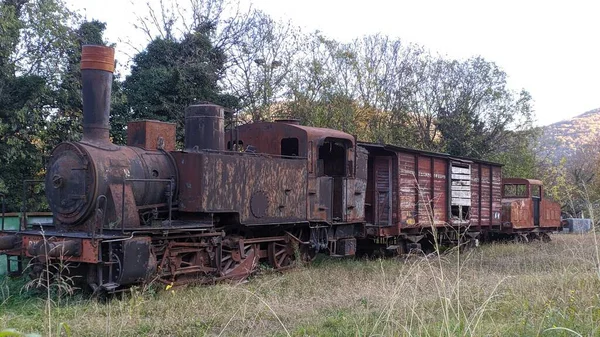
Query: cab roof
x=317, y=135
x=522, y=181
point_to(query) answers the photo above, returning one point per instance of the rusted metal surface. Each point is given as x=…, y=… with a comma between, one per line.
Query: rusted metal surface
x=281, y=254
x=35, y=246
x=518, y=214
x=151, y=135
x=9, y=242
x=362, y=158
x=550, y=214
x=324, y=204
x=382, y=191
x=476, y=197
x=79, y=173
x=98, y=58
x=518, y=209
x=496, y=216
x=440, y=191
x=62, y=248
x=259, y=204
x=139, y=261
x=424, y=196
x=345, y=247
x=280, y=190
x=320, y=199
x=422, y=183
x=204, y=127
x=485, y=193
x=97, y=66
x=258, y=188
x=408, y=190
x=335, y=190
x=266, y=137
x=354, y=199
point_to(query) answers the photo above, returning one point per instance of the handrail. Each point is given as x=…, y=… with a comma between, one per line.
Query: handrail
x=171, y=183
x=26, y=182
x=100, y=198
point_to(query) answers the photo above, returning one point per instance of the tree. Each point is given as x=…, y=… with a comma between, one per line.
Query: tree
x=170, y=75
x=519, y=155
x=33, y=39
x=477, y=114
x=65, y=122
x=260, y=63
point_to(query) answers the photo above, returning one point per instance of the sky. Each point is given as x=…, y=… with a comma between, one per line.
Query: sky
x=550, y=48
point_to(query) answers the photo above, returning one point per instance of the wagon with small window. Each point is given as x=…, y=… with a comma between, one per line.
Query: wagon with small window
x=527, y=213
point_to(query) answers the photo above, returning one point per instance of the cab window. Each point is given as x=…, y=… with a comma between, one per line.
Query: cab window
x=515, y=190
x=536, y=191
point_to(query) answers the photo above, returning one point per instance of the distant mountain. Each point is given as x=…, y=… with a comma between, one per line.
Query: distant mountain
x=561, y=139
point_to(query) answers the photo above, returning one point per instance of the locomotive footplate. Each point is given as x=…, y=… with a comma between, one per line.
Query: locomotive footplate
x=71, y=247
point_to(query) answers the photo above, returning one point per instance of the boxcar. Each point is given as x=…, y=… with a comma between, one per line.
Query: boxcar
x=417, y=197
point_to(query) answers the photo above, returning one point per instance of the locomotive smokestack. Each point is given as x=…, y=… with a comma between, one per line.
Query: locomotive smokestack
x=97, y=67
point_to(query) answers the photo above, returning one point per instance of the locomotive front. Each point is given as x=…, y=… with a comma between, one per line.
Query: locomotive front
x=94, y=176
x=99, y=193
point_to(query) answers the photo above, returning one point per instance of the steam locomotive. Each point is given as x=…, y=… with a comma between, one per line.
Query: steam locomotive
x=273, y=192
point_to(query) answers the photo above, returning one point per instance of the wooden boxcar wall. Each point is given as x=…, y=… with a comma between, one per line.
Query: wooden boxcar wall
x=486, y=190
x=423, y=187
x=407, y=189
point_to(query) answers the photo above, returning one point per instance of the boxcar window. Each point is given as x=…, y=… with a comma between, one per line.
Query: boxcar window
x=461, y=191
x=461, y=212
x=289, y=147
x=515, y=190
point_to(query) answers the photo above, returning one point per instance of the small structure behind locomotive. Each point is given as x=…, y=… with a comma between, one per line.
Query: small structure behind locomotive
x=526, y=212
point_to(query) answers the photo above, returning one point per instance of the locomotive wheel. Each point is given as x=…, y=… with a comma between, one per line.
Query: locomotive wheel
x=545, y=237
x=520, y=238
x=237, y=265
x=281, y=255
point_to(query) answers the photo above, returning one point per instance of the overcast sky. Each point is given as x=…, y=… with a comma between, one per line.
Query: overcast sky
x=550, y=48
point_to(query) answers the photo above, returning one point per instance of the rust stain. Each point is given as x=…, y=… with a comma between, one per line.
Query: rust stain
x=151, y=135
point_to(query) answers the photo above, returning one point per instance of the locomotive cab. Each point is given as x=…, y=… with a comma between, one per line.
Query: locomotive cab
x=335, y=191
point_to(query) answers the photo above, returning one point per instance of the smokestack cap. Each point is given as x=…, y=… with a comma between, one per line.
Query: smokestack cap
x=98, y=58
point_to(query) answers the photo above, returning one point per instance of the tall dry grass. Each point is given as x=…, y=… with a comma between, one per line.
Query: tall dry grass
x=495, y=290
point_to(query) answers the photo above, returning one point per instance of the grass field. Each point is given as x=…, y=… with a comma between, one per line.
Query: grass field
x=495, y=290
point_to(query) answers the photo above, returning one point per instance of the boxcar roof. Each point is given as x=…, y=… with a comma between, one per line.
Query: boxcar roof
x=428, y=153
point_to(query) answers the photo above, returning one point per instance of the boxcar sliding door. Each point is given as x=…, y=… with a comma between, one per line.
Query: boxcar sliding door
x=383, y=191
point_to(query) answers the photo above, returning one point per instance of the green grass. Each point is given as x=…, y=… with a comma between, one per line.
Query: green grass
x=494, y=290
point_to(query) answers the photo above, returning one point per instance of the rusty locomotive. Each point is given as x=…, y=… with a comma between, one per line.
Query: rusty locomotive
x=273, y=192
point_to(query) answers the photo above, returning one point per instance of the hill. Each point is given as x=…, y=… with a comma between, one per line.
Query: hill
x=561, y=139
